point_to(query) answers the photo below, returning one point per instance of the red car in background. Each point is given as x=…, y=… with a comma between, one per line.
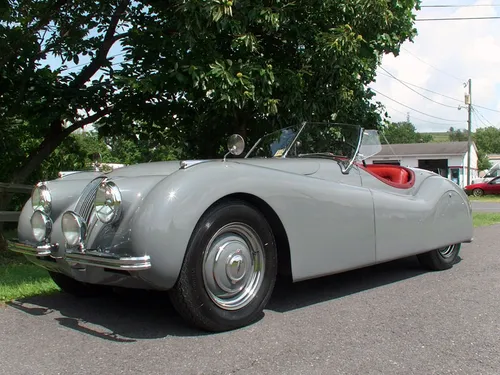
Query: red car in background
x=483, y=188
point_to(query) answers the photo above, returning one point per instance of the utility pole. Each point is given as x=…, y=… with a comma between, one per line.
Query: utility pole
x=468, y=101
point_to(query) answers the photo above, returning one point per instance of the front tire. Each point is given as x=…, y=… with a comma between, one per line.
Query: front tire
x=75, y=287
x=440, y=259
x=229, y=270
x=478, y=192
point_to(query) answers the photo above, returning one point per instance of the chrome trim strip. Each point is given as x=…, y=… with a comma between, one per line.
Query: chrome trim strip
x=34, y=250
x=105, y=260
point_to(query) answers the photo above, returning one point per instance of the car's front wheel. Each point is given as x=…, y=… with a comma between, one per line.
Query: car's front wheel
x=478, y=192
x=229, y=270
x=440, y=259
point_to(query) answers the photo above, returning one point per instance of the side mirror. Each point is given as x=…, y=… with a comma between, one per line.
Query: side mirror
x=235, y=144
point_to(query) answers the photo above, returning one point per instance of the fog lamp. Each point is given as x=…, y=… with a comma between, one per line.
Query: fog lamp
x=41, y=225
x=74, y=228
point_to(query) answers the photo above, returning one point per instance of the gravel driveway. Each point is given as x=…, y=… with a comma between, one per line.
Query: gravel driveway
x=387, y=319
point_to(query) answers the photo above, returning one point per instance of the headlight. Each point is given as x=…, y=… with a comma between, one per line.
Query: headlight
x=107, y=203
x=41, y=198
x=41, y=225
x=74, y=228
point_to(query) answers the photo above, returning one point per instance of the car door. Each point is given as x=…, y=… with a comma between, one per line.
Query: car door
x=338, y=231
x=493, y=187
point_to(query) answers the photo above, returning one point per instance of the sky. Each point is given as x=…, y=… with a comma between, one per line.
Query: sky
x=442, y=58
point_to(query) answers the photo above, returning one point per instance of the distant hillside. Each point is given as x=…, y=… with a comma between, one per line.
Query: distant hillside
x=438, y=136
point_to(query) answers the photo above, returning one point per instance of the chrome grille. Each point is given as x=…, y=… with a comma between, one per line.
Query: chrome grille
x=85, y=204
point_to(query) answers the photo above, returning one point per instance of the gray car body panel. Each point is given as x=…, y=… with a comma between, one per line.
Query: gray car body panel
x=333, y=221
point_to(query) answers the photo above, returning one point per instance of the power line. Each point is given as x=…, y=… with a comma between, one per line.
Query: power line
x=423, y=88
x=458, y=18
x=439, y=70
x=437, y=93
x=421, y=119
x=489, y=109
x=423, y=96
x=413, y=109
x=480, y=114
x=477, y=118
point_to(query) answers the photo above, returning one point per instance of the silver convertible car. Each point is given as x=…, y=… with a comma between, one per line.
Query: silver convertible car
x=216, y=234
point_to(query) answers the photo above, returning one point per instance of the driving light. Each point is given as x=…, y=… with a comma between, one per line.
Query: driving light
x=74, y=228
x=107, y=202
x=41, y=225
x=41, y=198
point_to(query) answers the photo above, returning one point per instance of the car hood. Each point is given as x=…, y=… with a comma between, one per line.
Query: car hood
x=165, y=168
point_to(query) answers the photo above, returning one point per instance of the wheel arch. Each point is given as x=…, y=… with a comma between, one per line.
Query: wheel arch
x=279, y=232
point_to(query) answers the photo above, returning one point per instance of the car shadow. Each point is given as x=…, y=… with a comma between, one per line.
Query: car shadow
x=137, y=315
x=289, y=296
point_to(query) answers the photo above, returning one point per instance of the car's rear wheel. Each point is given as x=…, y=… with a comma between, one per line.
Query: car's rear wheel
x=229, y=270
x=440, y=259
x=478, y=192
x=75, y=287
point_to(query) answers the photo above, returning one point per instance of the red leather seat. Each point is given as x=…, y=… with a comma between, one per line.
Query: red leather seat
x=397, y=175
x=394, y=175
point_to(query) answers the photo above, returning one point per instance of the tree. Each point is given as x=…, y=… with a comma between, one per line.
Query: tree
x=483, y=162
x=457, y=135
x=404, y=132
x=488, y=140
x=191, y=72
x=251, y=66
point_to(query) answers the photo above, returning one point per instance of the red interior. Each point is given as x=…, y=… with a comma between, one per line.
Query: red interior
x=393, y=175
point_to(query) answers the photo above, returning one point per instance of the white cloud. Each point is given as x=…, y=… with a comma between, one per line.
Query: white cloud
x=444, y=55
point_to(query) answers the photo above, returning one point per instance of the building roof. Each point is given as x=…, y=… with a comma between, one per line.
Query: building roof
x=432, y=148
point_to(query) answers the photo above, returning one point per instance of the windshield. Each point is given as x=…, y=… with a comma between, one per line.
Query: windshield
x=343, y=142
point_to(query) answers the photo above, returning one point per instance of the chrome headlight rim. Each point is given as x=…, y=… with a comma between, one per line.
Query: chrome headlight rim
x=41, y=198
x=79, y=232
x=107, y=202
x=45, y=229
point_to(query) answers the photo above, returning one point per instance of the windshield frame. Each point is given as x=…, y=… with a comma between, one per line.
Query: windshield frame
x=347, y=164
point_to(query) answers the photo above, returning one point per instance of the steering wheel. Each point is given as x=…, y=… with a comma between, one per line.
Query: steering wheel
x=331, y=154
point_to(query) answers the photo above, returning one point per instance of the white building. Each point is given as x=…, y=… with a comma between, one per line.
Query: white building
x=449, y=159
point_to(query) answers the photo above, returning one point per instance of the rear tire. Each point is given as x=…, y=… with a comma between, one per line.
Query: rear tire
x=74, y=287
x=440, y=259
x=229, y=271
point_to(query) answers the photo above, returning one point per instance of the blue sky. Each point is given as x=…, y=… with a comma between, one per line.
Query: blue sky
x=442, y=58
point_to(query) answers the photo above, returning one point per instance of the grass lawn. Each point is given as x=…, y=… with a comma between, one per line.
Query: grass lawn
x=481, y=219
x=24, y=280
x=20, y=279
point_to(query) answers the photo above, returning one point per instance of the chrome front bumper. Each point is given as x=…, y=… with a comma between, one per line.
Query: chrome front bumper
x=37, y=251
x=85, y=257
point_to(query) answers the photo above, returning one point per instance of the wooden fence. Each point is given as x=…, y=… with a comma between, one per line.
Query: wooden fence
x=12, y=216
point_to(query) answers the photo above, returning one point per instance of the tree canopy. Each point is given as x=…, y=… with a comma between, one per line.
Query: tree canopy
x=182, y=75
x=404, y=132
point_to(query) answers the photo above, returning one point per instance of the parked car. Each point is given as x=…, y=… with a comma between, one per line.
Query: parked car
x=484, y=188
x=216, y=234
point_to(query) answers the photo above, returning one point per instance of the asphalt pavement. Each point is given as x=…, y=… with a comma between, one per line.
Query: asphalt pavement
x=485, y=206
x=387, y=319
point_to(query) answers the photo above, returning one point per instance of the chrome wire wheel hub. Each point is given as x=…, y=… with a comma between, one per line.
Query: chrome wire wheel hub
x=233, y=266
x=447, y=251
